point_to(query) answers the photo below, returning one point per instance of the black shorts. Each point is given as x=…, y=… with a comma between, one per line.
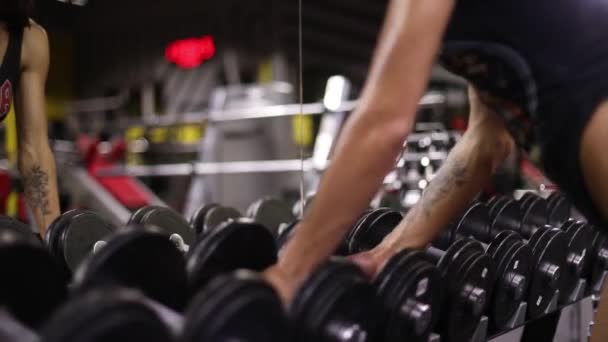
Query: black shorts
x=559, y=132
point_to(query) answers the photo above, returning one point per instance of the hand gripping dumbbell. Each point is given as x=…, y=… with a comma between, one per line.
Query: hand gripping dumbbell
x=537, y=210
x=549, y=249
x=464, y=266
x=33, y=284
x=511, y=255
x=117, y=315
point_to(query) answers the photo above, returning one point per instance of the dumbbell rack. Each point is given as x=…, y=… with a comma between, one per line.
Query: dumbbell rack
x=573, y=322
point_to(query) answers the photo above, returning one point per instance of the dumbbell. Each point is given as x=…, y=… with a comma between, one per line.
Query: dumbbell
x=511, y=255
x=303, y=204
x=271, y=213
x=536, y=211
x=33, y=284
x=466, y=298
x=553, y=269
x=332, y=305
x=117, y=315
x=408, y=298
x=234, y=245
x=239, y=306
x=595, y=261
x=467, y=273
x=210, y=216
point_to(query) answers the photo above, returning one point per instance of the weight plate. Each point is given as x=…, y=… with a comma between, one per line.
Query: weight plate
x=271, y=213
x=419, y=292
x=33, y=283
x=549, y=250
x=577, y=255
x=219, y=215
x=526, y=199
x=368, y=236
x=142, y=259
x=512, y=280
x=460, y=318
x=55, y=230
x=137, y=217
x=197, y=220
x=236, y=307
x=450, y=254
x=170, y=222
x=569, y=223
x=471, y=248
x=234, y=245
x=534, y=214
x=496, y=203
x=337, y=296
x=79, y=235
x=474, y=222
x=363, y=224
x=558, y=209
x=115, y=315
x=506, y=216
x=502, y=240
x=536, y=236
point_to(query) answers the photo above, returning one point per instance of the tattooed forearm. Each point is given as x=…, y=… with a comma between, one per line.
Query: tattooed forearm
x=36, y=184
x=451, y=177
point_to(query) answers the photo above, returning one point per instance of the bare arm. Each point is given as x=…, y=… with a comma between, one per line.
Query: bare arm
x=471, y=163
x=374, y=134
x=36, y=161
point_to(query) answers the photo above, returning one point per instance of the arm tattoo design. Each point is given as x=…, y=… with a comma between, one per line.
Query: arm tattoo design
x=36, y=184
x=454, y=176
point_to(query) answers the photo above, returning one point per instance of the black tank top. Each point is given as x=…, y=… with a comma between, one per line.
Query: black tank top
x=10, y=72
x=534, y=53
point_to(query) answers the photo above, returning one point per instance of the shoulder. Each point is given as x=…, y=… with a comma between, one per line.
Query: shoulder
x=35, y=46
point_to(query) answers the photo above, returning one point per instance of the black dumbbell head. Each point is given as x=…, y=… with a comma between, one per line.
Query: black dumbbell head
x=238, y=306
x=558, y=209
x=408, y=298
x=197, y=220
x=141, y=258
x=33, y=283
x=240, y=244
x=169, y=221
x=371, y=229
x=335, y=300
x=271, y=213
x=110, y=315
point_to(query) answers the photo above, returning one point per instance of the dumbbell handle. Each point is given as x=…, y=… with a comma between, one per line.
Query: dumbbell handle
x=435, y=254
x=175, y=238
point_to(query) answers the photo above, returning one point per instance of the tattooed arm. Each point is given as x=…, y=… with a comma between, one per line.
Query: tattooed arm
x=36, y=161
x=469, y=166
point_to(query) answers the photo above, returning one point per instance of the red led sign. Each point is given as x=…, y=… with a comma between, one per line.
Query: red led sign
x=190, y=52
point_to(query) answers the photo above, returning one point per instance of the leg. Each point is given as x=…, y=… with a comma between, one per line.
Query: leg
x=594, y=161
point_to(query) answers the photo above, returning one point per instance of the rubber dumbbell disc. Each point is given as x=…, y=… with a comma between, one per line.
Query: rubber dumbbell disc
x=368, y=236
x=109, y=315
x=363, y=225
x=197, y=220
x=170, y=222
x=506, y=216
x=501, y=242
x=558, y=209
x=137, y=217
x=232, y=246
x=579, y=251
x=26, y=266
x=19, y=227
x=79, y=235
x=219, y=215
x=55, y=230
x=271, y=213
x=496, y=203
x=550, y=249
x=237, y=307
x=407, y=278
x=138, y=258
x=512, y=281
x=337, y=293
x=600, y=262
x=460, y=323
x=475, y=222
